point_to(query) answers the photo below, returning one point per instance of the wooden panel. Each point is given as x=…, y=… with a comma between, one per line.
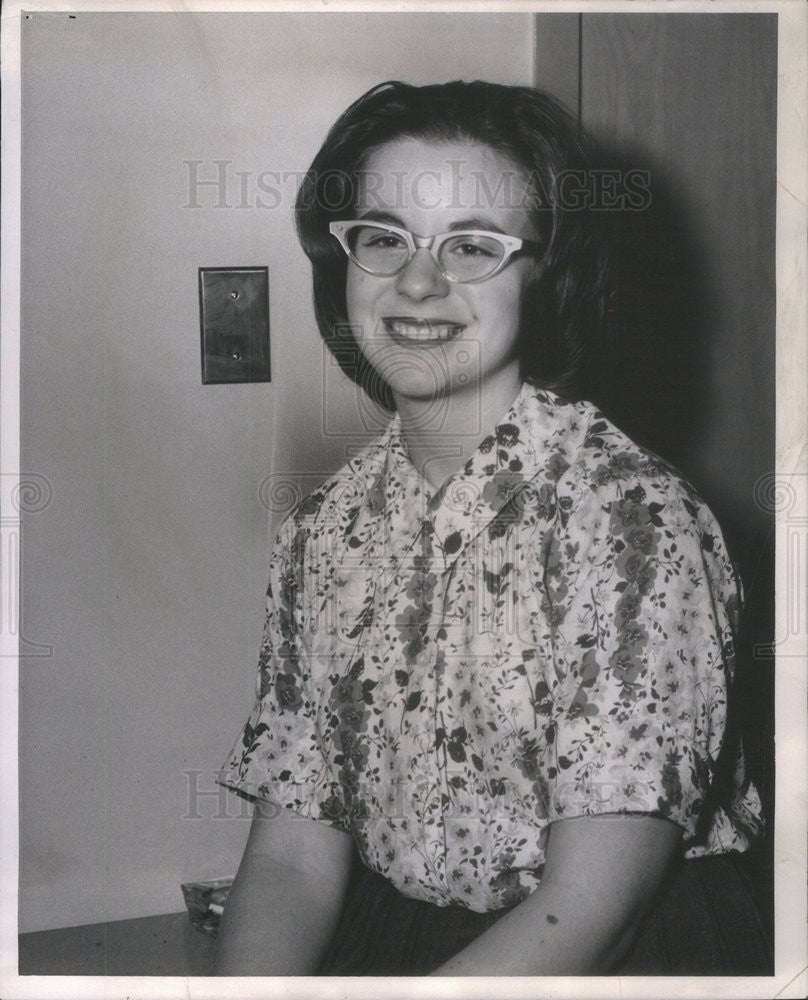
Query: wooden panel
x=692, y=99
x=558, y=62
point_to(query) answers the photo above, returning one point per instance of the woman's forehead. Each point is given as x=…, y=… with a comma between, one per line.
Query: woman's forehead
x=445, y=179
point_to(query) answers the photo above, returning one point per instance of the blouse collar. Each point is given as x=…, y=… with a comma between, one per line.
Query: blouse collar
x=503, y=464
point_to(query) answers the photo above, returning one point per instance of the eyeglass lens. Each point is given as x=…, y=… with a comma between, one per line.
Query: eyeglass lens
x=465, y=257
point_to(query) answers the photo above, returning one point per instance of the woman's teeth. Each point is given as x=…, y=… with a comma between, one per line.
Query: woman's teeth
x=423, y=331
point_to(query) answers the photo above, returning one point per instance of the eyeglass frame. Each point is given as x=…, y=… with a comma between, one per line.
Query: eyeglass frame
x=511, y=244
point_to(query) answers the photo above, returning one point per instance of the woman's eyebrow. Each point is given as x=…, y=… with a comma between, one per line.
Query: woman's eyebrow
x=476, y=223
x=374, y=215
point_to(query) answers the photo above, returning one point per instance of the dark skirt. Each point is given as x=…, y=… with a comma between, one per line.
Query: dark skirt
x=705, y=922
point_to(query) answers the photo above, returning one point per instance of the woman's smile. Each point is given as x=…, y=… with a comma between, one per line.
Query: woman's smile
x=422, y=332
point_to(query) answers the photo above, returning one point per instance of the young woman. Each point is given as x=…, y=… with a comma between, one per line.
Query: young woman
x=499, y=641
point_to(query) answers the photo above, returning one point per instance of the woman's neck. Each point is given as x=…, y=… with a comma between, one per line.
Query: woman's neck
x=442, y=433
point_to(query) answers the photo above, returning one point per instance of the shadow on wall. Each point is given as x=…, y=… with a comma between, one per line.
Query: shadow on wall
x=656, y=385
x=658, y=375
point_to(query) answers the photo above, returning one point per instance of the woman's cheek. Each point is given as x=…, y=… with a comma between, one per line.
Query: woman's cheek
x=358, y=295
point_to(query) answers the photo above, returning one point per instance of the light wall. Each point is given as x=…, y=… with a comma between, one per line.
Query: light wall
x=145, y=573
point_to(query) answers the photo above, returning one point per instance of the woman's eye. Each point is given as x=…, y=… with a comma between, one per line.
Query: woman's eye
x=468, y=249
x=386, y=241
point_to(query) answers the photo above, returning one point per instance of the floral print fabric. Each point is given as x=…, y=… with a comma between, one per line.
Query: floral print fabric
x=445, y=673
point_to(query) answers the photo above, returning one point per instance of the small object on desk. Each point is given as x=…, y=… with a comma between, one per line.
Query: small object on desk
x=205, y=902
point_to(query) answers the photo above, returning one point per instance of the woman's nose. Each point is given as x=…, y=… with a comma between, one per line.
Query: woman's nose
x=421, y=277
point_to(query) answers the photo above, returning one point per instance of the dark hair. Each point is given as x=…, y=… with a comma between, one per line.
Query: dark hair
x=563, y=307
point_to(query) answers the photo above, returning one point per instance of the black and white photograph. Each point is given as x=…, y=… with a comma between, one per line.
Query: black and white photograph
x=404, y=500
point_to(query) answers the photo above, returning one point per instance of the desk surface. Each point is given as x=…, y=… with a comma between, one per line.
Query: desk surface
x=164, y=945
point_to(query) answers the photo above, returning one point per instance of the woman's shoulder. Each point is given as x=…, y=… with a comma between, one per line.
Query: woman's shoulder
x=611, y=492
x=335, y=501
x=626, y=517
x=602, y=465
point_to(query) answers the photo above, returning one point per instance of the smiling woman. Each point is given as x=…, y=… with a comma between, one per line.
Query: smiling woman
x=499, y=642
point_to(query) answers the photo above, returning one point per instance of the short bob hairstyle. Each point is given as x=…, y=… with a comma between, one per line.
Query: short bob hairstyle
x=563, y=306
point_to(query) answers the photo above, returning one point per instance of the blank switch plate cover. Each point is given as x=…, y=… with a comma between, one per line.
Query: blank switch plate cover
x=234, y=318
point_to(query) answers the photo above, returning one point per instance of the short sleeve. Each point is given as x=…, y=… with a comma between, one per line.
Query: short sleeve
x=278, y=756
x=641, y=598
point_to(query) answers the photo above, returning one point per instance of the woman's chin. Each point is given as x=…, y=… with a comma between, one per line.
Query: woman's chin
x=418, y=392
x=416, y=375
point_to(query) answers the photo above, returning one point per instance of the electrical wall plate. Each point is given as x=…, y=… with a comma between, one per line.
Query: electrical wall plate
x=234, y=322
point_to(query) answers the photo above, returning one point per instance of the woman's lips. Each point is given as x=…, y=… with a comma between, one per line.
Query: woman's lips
x=422, y=331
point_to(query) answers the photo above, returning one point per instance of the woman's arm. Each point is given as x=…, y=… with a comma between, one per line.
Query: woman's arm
x=287, y=896
x=600, y=879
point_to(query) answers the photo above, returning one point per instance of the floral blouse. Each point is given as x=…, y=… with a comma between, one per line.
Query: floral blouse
x=444, y=673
